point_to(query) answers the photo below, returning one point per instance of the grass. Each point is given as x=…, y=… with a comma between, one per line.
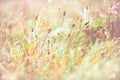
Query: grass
x=59, y=46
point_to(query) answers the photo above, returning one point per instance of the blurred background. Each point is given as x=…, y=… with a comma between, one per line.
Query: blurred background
x=30, y=25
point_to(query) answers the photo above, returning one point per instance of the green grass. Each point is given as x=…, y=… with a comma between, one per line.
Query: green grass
x=60, y=49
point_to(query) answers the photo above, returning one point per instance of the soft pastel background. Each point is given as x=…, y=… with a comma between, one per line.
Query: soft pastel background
x=59, y=39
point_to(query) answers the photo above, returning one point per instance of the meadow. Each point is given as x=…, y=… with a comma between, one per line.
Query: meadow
x=59, y=40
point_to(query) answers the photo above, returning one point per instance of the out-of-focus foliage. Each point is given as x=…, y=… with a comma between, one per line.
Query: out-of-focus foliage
x=59, y=40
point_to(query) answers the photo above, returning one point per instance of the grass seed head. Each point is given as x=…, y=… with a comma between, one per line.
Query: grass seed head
x=9, y=26
x=59, y=9
x=87, y=23
x=36, y=36
x=73, y=25
x=48, y=41
x=69, y=35
x=36, y=17
x=64, y=13
x=32, y=30
x=48, y=52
